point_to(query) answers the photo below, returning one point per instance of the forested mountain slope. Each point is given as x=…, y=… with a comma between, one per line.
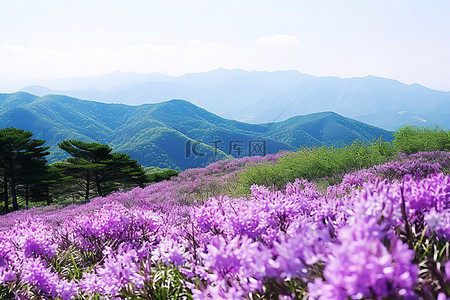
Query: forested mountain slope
x=165, y=134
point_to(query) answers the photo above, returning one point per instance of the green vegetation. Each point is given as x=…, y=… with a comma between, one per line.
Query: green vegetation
x=25, y=176
x=412, y=139
x=328, y=164
x=95, y=163
x=155, y=174
x=318, y=163
x=22, y=165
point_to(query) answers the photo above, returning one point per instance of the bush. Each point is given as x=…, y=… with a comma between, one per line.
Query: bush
x=318, y=163
x=412, y=139
x=157, y=174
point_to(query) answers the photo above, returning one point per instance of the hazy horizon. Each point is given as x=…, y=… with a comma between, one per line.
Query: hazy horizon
x=408, y=41
x=15, y=86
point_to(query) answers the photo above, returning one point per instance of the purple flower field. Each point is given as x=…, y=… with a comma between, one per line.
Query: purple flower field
x=382, y=233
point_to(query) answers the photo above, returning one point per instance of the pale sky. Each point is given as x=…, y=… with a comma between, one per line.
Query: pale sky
x=407, y=40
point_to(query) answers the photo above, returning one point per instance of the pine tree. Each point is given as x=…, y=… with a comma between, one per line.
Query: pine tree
x=87, y=162
x=123, y=172
x=22, y=160
x=95, y=164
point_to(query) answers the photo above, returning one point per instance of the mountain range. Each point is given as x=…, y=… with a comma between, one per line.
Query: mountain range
x=172, y=134
x=261, y=97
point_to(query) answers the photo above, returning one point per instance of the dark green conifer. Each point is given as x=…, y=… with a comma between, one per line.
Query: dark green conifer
x=96, y=164
x=22, y=161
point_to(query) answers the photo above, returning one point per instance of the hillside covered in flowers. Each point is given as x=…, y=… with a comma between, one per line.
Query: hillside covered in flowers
x=379, y=233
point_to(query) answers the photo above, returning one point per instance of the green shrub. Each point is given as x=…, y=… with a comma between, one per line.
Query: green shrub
x=317, y=163
x=155, y=174
x=327, y=164
x=412, y=139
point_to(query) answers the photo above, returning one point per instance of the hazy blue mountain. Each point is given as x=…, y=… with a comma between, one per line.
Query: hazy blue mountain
x=259, y=97
x=206, y=79
x=89, y=93
x=427, y=116
x=39, y=90
x=166, y=134
x=106, y=82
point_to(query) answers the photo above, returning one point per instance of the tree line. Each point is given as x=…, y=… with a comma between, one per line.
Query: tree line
x=91, y=169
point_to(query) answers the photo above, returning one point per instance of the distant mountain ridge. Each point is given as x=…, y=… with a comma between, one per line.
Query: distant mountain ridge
x=166, y=134
x=260, y=97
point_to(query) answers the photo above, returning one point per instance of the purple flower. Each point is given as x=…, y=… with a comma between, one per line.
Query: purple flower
x=361, y=266
x=37, y=274
x=170, y=252
x=34, y=238
x=118, y=270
